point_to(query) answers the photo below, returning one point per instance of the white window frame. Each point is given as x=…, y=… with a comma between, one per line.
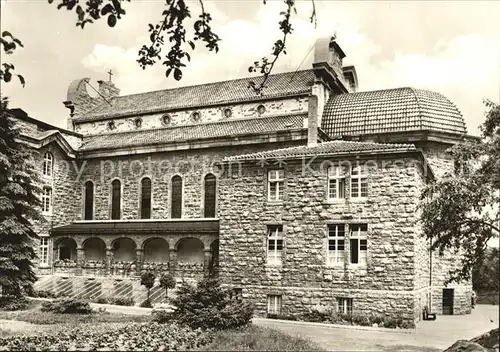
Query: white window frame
x=44, y=251
x=274, y=234
x=336, y=182
x=274, y=304
x=336, y=238
x=275, y=177
x=48, y=164
x=46, y=200
x=359, y=235
x=344, y=305
x=360, y=178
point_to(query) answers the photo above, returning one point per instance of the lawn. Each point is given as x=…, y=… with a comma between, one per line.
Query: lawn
x=255, y=338
x=35, y=316
x=33, y=329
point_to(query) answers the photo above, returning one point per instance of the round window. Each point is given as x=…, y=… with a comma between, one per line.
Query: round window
x=261, y=109
x=228, y=112
x=196, y=116
x=138, y=123
x=111, y=125
x=166, y=120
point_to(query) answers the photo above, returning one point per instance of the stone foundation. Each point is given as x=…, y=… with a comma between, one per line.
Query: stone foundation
x=299, y=300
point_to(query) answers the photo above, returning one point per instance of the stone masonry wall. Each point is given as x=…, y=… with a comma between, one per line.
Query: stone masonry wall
x=441, y=163
x=191, y=165
x=209, y=114
x=389, y=211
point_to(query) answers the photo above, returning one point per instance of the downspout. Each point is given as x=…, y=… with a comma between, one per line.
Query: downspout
x=430, y=275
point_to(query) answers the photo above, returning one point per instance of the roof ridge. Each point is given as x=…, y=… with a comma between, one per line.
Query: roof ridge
x=194, y=124
x=213, y=83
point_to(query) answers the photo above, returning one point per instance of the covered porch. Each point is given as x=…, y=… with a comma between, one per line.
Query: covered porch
x=185, y=248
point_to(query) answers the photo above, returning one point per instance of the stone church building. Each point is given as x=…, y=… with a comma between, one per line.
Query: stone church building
x=303, y=197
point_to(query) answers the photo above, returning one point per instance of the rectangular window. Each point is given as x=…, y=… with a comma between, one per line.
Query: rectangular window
x=358, y=243
x=276, y=183
x=344, y=305
x=336, y=182
x=336, y=244
x=274, y=304
x=359, y=182
x=44, y=250
x=274, y=244
x=47, y=200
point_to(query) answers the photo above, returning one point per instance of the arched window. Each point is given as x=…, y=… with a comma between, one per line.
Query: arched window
x=47, y=164
x=47, y=200
x=116, y=193
x=210, y=189
x=176, y=205
x=88, y=206
x=146, y=198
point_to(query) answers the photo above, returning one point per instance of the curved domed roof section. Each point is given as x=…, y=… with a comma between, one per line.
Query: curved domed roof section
x=391, y=110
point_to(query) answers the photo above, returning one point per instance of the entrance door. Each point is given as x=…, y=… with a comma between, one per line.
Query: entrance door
x=448, y=301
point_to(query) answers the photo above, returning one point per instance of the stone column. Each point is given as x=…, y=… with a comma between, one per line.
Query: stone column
x=172, y=263
x=207, y=254
x=109, y=257
x=80, y=259
x=139, y=257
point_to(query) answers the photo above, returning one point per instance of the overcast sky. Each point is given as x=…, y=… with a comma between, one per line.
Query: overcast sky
x=452, y=47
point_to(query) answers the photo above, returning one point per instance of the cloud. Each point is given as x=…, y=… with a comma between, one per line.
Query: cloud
x=464, y=69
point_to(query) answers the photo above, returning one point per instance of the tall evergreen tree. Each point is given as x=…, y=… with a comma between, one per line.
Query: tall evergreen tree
x=19, y=204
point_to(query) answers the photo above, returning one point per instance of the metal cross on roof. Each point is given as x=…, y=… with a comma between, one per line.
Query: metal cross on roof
x=110, y=73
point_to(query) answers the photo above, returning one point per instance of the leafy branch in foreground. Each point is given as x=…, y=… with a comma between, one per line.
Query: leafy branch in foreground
x=171, y=32
x=9, y=44
x=265, y=66
x=460, y=212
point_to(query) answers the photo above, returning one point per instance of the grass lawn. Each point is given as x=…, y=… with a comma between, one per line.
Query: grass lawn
x=35, y=316
x=255, y=338
x=34, y=322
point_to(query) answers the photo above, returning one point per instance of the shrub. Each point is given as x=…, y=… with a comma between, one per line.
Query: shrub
x=167, y=281
x=102, y=300
x=208, y=305
x=67, y=306
x=13, y=303
x=122, y=301
x=282, y=316
x=148, y=281
x=162, y=316
x=317, y=316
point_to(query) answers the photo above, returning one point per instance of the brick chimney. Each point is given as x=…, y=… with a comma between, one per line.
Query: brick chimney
x=312, y=121
x=79, y=100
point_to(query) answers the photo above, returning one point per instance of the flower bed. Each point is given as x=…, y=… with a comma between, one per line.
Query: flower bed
x=132, y=337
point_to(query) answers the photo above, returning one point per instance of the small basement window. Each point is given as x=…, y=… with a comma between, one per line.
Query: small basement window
x=274, y=304
x=344, y=305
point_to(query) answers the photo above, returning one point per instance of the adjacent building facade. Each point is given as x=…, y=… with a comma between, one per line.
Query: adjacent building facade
x=304, y=197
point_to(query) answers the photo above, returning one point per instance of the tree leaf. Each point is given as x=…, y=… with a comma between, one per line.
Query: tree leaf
x=111, y=20
x=177, y=74
x=108, y=8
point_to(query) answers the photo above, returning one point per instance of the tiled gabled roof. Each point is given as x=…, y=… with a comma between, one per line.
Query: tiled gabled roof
x=225, y=92
x=391, y=110
x=227, y=128
x=324, y=149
